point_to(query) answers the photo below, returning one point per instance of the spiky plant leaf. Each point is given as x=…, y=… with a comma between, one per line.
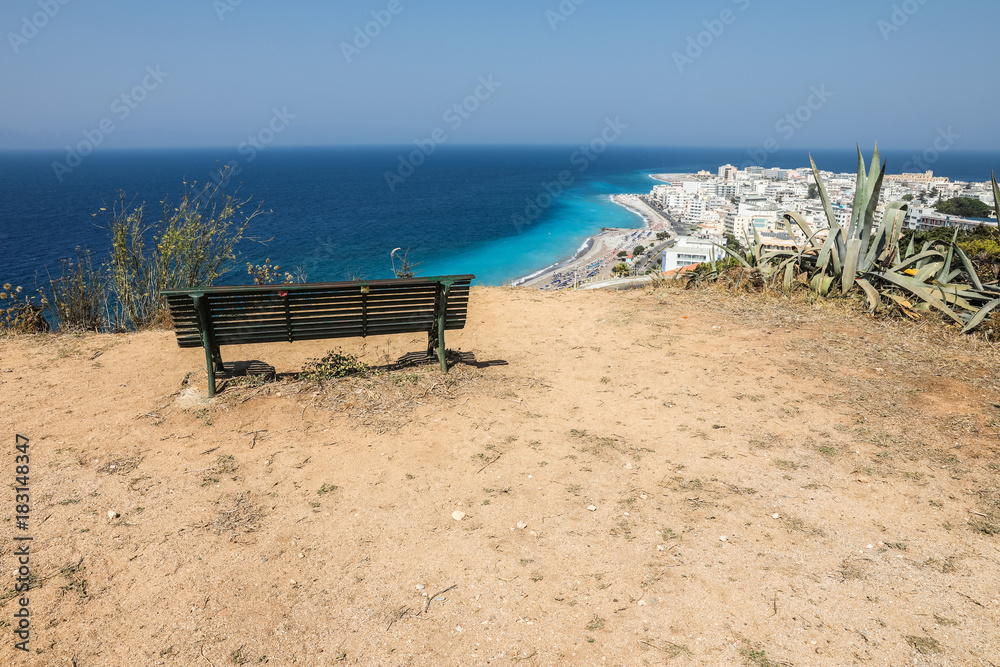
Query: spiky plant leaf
x=921, y=291
x=824, y=197
x=978, y=318
x=803, y=225
x=872, y=194
x=850, y=265
x=859, y=199
x=996, y=197
x=969, y=267
x=871, y=293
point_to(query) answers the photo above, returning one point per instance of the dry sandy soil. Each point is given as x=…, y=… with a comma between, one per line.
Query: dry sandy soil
x=660, y=477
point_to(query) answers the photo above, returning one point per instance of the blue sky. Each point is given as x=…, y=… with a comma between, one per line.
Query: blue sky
x=214, y=72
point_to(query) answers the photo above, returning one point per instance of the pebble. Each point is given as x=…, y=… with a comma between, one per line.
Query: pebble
x=522, y=525
x=302, y=555
x=592, y=508
x=660, y=547
x=420, y=587
x=458, y=515
x=775, y=516
x=112, y=514
x=723, y=539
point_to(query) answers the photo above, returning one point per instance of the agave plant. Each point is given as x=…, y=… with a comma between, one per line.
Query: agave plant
x=870, y=259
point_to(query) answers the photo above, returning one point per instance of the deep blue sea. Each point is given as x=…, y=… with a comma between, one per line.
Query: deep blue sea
x=464, y=210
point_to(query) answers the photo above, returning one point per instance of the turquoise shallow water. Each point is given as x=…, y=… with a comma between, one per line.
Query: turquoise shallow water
x=481, y=210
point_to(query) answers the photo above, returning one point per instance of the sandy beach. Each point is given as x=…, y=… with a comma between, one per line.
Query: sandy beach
x=599, y=253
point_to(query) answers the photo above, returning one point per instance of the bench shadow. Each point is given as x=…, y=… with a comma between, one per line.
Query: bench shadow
x=239, y=369
x=233, y=370
x=451, y=358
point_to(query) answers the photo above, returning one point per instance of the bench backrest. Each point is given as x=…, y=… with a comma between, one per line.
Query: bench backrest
x=310, y=311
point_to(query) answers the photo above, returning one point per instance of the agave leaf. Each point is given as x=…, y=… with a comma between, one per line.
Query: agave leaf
x=850, y=265
x=872, y=203
x=815, y=282
x=734, y=255
x=873, y=186
x=886, y=246
x=871, y=293
x=996, y=196
x=921, y=291
x=824, y=284
x=839, y=253
x=910, y=249
x=788, y=229
x=970, y=269
x=803, y=225
x=947, y=260
x=978, y=318
x=859, y=198
x=823, y=196
x=828, y=246
x=947, y=278
x=878, y=243
x=928, y=271
x=789, y=274
x=926, y=255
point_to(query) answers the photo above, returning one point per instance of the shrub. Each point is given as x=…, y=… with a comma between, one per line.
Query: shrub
x=265, y=274
x=79, y=294
x=18, y=314
x=336, y=364
x=192, y=244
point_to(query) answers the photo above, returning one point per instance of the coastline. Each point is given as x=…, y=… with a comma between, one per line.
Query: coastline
x=599, y=252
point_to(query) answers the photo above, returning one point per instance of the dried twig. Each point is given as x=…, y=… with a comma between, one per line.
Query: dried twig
x=490, y=463
x=431, y=598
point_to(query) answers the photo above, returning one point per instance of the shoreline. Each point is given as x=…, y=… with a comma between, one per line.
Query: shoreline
x=599, y=252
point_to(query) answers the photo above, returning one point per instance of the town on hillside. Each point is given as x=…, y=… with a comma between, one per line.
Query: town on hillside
x=713, y=208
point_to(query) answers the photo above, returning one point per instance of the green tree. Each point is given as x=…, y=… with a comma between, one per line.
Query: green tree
x=733, y=243
x=638, y=250
x=966, y=207
x=622, y=254
x=907, y=197
x=620, y=269
x=813, y=191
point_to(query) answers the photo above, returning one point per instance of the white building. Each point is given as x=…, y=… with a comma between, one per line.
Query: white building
x=689, y=251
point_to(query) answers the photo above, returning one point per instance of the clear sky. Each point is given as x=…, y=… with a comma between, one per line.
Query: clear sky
x=213, y=72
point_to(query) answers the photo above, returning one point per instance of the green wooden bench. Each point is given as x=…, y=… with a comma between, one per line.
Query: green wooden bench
x=210, y=317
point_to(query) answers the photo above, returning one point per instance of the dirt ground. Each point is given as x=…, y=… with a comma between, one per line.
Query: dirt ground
x=659, y=477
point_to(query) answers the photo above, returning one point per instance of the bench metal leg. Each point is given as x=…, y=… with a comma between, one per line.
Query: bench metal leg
x=211, y=370
x=213, y=357
x=444, y=362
